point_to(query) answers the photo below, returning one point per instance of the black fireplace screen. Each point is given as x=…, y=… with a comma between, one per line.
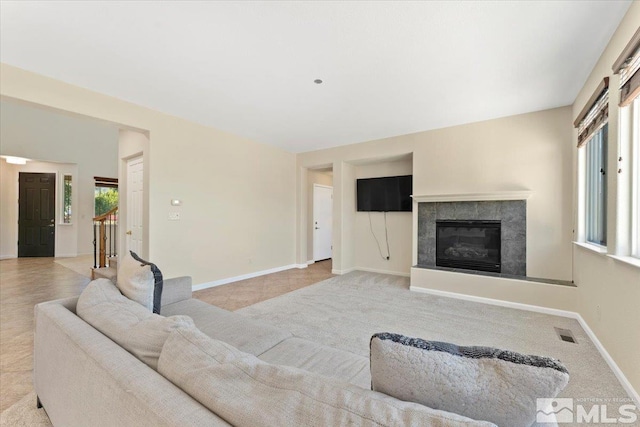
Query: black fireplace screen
x=473, y=245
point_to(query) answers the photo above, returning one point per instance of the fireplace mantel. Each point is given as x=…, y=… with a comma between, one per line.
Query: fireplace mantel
x=473, y=197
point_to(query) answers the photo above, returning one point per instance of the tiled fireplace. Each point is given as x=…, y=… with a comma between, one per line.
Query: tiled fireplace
x=474, y=235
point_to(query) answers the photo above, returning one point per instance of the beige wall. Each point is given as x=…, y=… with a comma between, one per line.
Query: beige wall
x=524, y=152
x=8, y=210
x=321, y=178
x=50, y=136
x=343, y=217
x=399, y=226
x=610, y=290
x=238, y=212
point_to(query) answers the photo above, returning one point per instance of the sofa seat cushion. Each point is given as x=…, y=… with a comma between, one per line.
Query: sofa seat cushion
x=126, y=322
x=245, y=391
x=241, y=332
x=320, y=359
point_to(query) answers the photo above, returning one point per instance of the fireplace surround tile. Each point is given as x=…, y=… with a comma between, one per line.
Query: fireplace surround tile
x=511, y=213
x=489, y=210
x=465, y=210
x=514, y=231
x=445, y=210
x=427, y=228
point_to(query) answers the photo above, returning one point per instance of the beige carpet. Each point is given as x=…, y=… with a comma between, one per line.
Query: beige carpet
x=25, y=414
x=344, y=311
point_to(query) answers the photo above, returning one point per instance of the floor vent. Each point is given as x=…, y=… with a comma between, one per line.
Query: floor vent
x=566, y=335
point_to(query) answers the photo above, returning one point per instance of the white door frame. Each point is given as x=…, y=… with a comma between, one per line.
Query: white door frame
x=321, y=253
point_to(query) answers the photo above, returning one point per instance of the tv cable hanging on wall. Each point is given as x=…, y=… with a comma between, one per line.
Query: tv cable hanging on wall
x=386, y=235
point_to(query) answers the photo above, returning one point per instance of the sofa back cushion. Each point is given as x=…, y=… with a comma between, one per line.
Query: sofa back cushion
x=126, y=322
x=246, y=391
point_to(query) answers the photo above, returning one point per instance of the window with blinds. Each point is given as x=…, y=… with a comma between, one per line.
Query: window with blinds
x=592, y=125
x=627, y=66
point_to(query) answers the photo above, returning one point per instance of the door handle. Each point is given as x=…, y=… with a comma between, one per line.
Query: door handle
x=129, y=233
x=52, y=225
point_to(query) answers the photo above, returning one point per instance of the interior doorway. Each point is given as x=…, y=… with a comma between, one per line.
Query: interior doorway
x=135, y=206
x=322, y=222
x=36, y=214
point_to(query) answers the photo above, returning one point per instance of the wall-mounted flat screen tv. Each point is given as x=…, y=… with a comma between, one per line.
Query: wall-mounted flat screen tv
x=387, y=194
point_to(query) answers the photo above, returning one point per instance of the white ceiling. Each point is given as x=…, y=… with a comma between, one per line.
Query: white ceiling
x=389, y=68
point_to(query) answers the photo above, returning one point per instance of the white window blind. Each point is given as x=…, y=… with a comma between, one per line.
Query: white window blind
x=627, y=66
x=594, y=115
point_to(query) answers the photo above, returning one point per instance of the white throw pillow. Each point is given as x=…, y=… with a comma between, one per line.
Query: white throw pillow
x=136, y=281
x=126, y=322
x=482, y=383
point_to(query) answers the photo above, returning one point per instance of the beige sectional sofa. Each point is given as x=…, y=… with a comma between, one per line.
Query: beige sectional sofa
x=83, y=378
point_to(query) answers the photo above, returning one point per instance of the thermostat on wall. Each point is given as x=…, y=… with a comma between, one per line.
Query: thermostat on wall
x=176, y=202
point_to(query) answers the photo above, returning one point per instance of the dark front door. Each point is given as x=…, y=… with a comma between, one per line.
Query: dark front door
x=36, y=218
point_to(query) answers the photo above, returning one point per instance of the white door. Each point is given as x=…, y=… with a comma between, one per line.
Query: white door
x=322, y=221
x=134, y=204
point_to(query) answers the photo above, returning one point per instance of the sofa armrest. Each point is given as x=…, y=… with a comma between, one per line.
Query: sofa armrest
x=176, y=289
x=82, y=378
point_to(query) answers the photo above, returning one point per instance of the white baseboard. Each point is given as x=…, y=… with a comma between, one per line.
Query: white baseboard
x=310, y=262
x=552, y=311
x=370, y=270
x=66, y=255
x=375, y=270
x=612, y=364
x=7, y=257
x=340, y=272
x=501, y=303
x=302, y=265
x=242, y=277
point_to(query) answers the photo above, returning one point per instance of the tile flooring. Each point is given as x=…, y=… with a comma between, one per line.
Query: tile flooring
x=25, y=282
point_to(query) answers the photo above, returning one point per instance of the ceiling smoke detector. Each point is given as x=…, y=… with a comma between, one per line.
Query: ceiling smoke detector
x=317, y=81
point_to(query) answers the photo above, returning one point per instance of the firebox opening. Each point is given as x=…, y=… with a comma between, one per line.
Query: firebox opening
x=472, y=245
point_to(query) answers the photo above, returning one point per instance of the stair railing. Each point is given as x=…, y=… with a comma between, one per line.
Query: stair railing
x=105, y=232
